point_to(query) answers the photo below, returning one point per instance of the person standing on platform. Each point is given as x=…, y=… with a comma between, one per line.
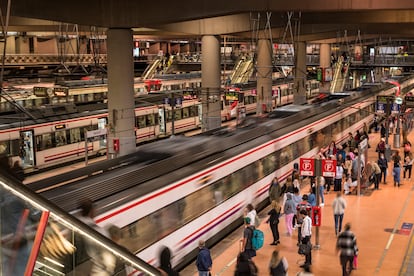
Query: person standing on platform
x=273, y=221
x=304, y=205
x=312, y=196
x=408, y=165
x=204, y=262
x=306, y=233
x=278, y=265
x=289, y=210
x=383, y=131
x=377, y=171
x=246, y=242
x=275, y=190
x=346, y=245
x=338, y=177
x=381, y=147
x=383, y=164
x=396, y=171
x=252, y=214
x=338, y=205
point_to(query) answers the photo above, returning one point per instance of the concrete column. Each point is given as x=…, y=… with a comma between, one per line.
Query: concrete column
x=264, y=76
x=121, y=92
x=210, y=82
x=325, y=55
x=299, y=90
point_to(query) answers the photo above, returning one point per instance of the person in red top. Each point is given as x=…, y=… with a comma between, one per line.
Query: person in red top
x=304, y=205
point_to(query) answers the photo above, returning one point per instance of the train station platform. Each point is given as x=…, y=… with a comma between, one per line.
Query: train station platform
x=381, y=219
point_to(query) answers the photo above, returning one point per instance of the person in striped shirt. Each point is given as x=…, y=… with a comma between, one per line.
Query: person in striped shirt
x=346, y=245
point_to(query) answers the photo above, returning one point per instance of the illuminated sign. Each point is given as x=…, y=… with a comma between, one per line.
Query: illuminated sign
x=61, y=91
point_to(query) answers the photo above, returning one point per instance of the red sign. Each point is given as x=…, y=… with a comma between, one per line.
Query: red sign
x=307, y=166
x=328, y=168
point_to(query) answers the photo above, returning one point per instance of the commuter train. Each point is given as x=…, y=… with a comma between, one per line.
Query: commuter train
x=86, y=91
x=184, y=189
x=60, y=137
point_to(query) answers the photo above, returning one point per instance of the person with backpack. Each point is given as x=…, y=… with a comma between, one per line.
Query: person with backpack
x=251, y=213
x=278, y=265
x=246, y=242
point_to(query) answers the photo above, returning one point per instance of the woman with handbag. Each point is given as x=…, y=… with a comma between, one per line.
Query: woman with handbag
x=273, y=221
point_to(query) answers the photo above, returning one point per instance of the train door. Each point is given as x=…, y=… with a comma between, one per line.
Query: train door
x=162, y=120
x=26, y=151
x=102, y=123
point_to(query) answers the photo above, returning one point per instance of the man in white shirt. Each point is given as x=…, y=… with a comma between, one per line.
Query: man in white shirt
x=338, y=206
x=306, y=232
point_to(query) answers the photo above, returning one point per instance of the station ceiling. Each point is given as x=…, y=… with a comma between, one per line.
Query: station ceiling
x=306, y=20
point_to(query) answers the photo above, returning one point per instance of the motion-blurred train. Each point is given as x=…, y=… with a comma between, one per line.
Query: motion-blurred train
x=184, y=189
x=59, y=135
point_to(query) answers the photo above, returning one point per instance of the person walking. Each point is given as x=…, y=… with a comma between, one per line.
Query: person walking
x=278, y=265
x=275, y=190
x=346, y=245
x=245, y=266
x=289, y=211
x=338, y=205
x=273, y=221
x=396, y=171
x=203, y=262
x=383, y=164
x=306, y=233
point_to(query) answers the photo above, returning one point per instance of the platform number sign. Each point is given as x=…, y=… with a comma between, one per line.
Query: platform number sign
x=328, y=168
x=307, y=166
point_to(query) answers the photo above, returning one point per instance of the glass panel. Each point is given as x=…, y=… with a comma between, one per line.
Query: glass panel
x=40, y=241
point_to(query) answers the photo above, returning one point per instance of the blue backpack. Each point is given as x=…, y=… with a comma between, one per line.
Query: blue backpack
x=257, y=239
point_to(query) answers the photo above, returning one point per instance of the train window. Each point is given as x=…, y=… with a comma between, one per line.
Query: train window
x=4, y=147
x=150, y=120
x=60, y=137
x=186, y=112
x=168, y=115
x=178, y=114
x=46, y=141
x=193, y=111
x=74, y=135
x=141, y=121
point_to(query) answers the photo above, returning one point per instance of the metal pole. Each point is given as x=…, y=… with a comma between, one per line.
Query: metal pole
x=318, y=183
x=172, y=115
x=359, y=171
x=318, y=173
x=86, y=147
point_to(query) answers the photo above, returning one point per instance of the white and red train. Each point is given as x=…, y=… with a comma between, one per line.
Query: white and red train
x=60, y=139
x=216, y=177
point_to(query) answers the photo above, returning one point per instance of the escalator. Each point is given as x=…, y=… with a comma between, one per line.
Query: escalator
x=340, y=75
x=152, y=69
x=38, y=238
x=242, y=71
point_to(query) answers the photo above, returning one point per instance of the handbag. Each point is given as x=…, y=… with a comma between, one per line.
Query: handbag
x=304, y=248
